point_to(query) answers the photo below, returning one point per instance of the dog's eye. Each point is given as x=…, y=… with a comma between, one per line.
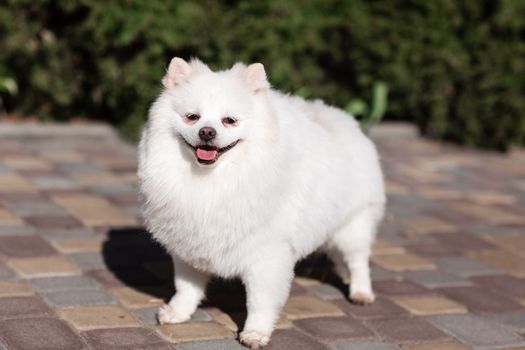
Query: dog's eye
x=229, y=121
x=192, y=117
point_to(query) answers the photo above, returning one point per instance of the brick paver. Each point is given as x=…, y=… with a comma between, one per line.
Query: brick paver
x=78, y=270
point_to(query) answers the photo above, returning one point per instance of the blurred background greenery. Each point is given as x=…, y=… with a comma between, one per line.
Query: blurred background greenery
x=456, y=68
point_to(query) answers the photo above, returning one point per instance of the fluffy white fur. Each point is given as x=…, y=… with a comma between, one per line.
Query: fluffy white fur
x=302, y=177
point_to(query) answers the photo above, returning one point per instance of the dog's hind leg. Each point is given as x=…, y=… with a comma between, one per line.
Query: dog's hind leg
x=354, y=241
x=190, y=286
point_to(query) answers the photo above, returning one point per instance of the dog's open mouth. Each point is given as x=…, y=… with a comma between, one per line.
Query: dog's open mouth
x=208, y=154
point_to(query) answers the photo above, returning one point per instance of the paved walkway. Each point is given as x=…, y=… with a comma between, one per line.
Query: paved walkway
x=78, y=272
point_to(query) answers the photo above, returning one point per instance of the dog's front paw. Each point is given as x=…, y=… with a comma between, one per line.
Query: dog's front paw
x=362, y=298
x=254, y=339
x=168, y=314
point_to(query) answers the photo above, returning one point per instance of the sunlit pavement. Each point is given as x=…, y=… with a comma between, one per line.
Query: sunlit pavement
x=77, y=271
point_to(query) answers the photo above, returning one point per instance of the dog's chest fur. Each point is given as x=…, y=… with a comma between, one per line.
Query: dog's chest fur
x=210, y=222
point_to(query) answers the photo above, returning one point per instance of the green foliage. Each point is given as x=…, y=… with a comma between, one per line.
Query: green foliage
x=7, y=86
x=454, y=67
x=370, y=115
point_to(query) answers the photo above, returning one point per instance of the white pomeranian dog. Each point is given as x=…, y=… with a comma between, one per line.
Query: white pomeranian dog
x=239, y=180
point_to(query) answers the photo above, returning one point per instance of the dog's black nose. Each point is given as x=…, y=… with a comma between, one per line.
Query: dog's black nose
x=207, y=133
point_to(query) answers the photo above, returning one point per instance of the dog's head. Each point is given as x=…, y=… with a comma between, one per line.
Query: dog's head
x=213, y=111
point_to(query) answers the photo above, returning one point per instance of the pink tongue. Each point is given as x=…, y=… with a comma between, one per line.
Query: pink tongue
x=206, y=154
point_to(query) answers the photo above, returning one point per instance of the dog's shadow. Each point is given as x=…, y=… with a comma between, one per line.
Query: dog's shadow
x=140, y=263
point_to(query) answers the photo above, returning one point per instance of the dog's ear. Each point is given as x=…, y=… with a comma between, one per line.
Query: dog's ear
x=177, y=73
x=256, y=77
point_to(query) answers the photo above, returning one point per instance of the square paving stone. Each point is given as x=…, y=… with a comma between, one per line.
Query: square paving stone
x=363, y=345
x=125, y=199
x=514, y=320
x=405, y=329
x=11, y=182
x=304, y=306
x=8, y=289
x=65, y=283
x=465, y=266
x=136, y=277
x=89, y=260
x=218, y=344
x=18, y=230
x=133, y=298
x=4, y=168
x=225, y=319
x=428, y=226
x=7, y=218
x=76, y=167
x=53, y=182
x=31, y=174
x=78, y=297
x=509, y=286
x=297, y=289
x=476, y=331
x=492, y=197
x=44, y=266
x=184, y=332
x=513, y=242
x=124, y=259
x=233, y=319
x=68, y=246
x=462, y=242
x=124, y=338
x=113, y=189
x=19, y=197
x=437, y=345
x=93, y=317
x=305, y=281
x=25, y=246
x=380, y=308
x=399, y=287
x=105, y=278
x=429, y=305
x=380, y=274
x=94, y=178
x=56, y=155
x=116, y=163
x=53, y=222
x=382, y=246
x=328, y=329
x=94, y=210
x=403, y=262
x=509, y=262
x=134, y=211
x=489, y=214
x=6, y=274
x=23, y=306
x=26, y=162
x=433, y=250
x=326, y=291
x=34, y=209
x=80, y=233
x=148, y=316
x=480, y=300
x=434, y=279
x=293, y=340
x=200, y=315
x=41, y=333
x=482, y=230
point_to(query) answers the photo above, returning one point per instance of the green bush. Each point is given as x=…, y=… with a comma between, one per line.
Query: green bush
x=456, y=68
